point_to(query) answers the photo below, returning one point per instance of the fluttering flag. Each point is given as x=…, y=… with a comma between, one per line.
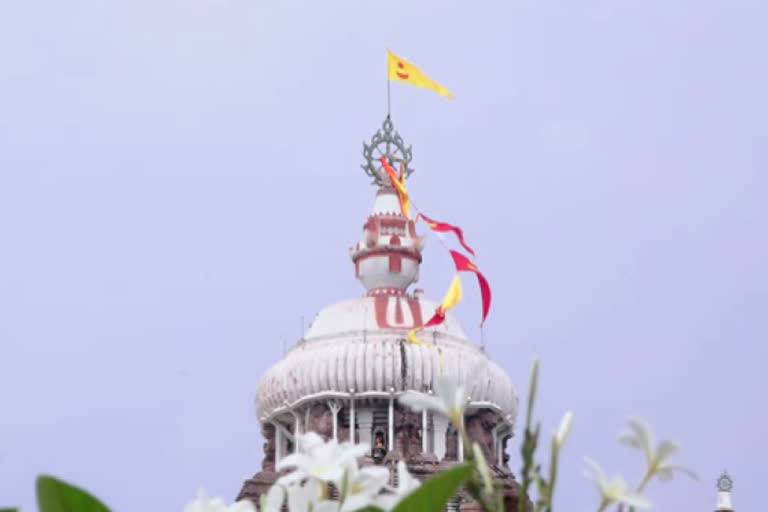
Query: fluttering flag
x=399, y=184
x=463, y=264
x=452, y=297
x=443, y=227
x=401, y=70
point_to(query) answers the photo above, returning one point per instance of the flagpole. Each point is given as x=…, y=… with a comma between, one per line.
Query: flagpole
x=388, y=98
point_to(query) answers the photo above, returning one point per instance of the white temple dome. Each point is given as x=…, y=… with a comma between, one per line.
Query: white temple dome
x=358, y=346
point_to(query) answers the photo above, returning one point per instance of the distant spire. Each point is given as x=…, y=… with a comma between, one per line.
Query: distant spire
x=724, y=487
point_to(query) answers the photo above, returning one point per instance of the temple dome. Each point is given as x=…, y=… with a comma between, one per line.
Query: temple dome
x=359, y=346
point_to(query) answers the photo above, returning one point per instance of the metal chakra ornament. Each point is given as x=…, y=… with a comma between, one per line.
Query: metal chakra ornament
x=724, y=483
x=386, y=142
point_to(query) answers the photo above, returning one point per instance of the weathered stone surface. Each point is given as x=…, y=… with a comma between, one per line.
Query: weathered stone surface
x=407, y=433
x=268, y=463
x=451, y=445
x=480, y=430
x=257, y=485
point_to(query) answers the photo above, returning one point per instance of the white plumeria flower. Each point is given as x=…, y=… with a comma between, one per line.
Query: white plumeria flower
x=203, y=503
x=641, y=438
x=361, y=487
x=301, y=498
x=406, y=484
x=319, y=460
x=273, y=500
x=450, y=400
x=615, y=490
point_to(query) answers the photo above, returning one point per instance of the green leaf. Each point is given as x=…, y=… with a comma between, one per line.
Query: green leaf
x=366, y=509
x=433, y=494
x=9, y=510
x=54, y=495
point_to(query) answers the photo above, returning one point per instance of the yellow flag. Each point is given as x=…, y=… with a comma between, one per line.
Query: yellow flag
x=403, y=71
x=453, y=296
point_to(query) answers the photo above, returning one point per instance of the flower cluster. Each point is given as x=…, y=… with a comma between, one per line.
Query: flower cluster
x=616, y=490
x=315, y=466
x=318, y=464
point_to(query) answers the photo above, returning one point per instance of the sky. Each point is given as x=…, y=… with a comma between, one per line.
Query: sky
x=180, y=182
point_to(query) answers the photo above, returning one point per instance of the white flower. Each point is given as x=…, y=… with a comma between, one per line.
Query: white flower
x=205, y=504
x=641, y=438
x=361, y=487
x=319, y=460
x=406, y=484
x=300, y=497
x=614, y=491
x=272, y=501
x=450, y=400
x=565, y=427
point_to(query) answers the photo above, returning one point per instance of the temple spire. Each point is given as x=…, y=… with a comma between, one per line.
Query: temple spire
x=388, y=255
x=724, y=487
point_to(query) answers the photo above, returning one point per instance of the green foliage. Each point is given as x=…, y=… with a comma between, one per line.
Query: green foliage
x=435, y=492
x=54, y=495
x=9, y=510
x=530, y=471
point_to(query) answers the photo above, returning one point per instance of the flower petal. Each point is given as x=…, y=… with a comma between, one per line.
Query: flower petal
x=421, y=401
x=665, y=450
x=635, y=500
x=242, y=506
x=643, y=436
x=294, y=460
x=599, y=476
x=309, y=441
x=405, y=481
x=565, y=426
x=275, y=498
x=682, y=469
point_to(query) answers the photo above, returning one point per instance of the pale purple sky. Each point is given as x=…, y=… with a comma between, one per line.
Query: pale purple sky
x=180, y=182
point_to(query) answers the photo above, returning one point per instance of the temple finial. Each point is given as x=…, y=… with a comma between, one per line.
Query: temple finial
x=386, y=142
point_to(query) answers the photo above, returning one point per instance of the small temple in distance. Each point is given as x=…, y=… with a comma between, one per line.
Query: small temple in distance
x=342, y=379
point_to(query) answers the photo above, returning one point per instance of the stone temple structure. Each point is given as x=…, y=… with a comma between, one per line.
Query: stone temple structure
x=343, y=378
